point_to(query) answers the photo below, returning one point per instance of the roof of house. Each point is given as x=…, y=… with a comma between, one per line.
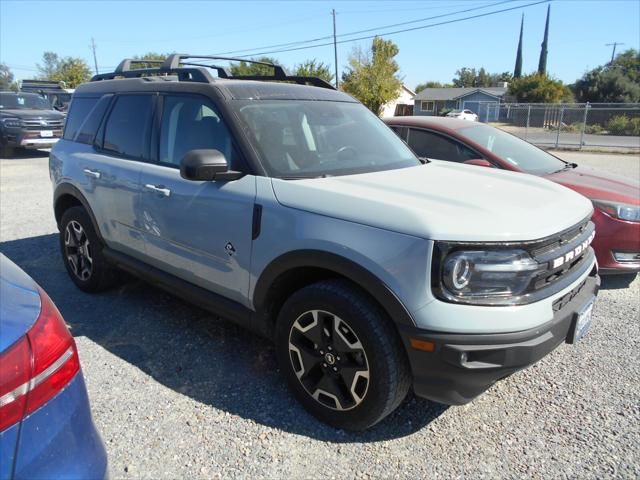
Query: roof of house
x=457, y=92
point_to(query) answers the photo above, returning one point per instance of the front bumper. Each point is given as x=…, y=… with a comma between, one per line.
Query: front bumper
x=462, y=366
x=22, y=138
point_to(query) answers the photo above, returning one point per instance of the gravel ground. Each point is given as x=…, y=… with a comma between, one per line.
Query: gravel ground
x=177, y=393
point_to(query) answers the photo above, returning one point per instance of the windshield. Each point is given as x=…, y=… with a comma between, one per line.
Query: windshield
x=23, y=101
x=301, y=139
x=512, y=149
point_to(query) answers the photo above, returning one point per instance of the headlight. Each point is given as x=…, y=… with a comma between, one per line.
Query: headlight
x=623, y=211
x=12, y=122
x=491, y=277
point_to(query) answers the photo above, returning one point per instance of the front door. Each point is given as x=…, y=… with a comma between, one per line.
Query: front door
x=198, y=231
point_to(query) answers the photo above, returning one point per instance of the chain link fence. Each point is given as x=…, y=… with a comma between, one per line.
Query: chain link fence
x=596, y=125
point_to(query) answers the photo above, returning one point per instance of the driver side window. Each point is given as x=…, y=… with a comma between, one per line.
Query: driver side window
x=189, y=123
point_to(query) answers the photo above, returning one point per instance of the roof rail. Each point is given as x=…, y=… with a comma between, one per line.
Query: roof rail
x=174, y=64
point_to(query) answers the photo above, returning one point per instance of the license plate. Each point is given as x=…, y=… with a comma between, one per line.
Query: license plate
x=583, y=321
x=46, y=133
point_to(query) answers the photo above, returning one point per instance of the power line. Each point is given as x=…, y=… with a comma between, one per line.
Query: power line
x=447, y=22
x=381, y=27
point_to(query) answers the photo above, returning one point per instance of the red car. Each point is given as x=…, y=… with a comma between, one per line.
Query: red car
x=616, y=199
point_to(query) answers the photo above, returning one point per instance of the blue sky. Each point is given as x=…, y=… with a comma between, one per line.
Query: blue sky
x=579, y=31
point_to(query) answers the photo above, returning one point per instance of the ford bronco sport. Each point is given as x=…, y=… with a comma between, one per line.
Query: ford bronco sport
x=288, y=207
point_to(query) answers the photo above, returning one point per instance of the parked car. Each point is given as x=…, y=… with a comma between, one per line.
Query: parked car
x=463, y=115
x=28, y=121
x=616, y=199
x=293, y=210
x=55, y=92
x=46, y=429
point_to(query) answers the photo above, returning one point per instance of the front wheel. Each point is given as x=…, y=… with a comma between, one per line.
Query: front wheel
x=341, y=355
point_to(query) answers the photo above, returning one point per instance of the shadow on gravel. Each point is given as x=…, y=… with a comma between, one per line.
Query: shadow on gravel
x=20, y=153
x=191, y=352
x=618, y=281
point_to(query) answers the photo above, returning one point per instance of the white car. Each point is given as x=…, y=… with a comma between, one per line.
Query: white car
x=463, y=115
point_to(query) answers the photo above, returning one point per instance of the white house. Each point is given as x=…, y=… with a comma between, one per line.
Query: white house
x=402, y=105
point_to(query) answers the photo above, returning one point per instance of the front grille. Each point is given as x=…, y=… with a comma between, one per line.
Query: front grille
x=560, y=303
x=557, y=241
x=53, y=124
x=563, y=254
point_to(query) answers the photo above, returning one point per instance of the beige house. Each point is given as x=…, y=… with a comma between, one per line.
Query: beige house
x=402, y=105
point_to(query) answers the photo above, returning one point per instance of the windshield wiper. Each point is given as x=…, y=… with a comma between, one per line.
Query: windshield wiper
x=424, y=160
x=303, y=177
x=567, y=166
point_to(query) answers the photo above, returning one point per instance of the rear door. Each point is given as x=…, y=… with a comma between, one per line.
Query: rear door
x=198, y=231
x=113, y=171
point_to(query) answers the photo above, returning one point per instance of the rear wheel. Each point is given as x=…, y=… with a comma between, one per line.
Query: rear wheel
x=341, y=355
x=82, y=252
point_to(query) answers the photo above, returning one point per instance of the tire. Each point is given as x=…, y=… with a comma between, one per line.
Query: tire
x=6, y=151
x=357, y=374
x=82, y=252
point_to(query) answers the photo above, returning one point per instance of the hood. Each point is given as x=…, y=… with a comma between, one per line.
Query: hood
x=599, y=185
x=442, y=201
x=31, y=114
x=19, y=303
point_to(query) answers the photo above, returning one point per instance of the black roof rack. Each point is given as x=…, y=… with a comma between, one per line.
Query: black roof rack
x=195, y=71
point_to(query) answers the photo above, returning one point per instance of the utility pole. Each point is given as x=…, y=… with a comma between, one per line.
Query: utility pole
x=335, y=44
x=95, y=59
x=614, y=45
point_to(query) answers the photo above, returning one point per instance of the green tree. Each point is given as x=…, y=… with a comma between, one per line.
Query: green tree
x=536, y=88
x=7, y=81
x=313, y=68
x=544, y=48
x=470, y=77
x=431, y=84
x=617, y=81
x=72, y=71
x=245, y=68
x=152, y=57
x=372, y=77
x=517, y=71
x=465, y=77
x=50, y=65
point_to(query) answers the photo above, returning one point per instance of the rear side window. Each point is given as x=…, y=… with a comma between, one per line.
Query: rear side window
x=128, y=125
x=431, y=145
x=80, y=108
x=87, y=131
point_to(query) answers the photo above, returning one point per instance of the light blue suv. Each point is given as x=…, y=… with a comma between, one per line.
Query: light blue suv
x=288, y=207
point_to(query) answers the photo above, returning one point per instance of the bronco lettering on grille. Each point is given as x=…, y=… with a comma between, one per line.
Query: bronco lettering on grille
x=575, y=253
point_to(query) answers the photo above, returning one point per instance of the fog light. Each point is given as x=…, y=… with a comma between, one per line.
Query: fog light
x=626, y=256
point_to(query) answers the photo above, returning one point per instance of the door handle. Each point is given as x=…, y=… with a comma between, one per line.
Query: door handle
x=159, y=188
x=92, y=173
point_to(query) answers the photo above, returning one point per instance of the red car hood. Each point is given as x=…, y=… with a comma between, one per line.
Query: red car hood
x=598, y=184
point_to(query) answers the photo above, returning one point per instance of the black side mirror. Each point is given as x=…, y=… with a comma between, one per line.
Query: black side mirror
x=206, y=165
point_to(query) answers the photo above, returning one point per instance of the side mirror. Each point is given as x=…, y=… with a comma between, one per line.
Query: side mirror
x=206, y=165
x=480, y=162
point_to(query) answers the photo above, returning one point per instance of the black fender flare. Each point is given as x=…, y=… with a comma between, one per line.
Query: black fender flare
x=338, y=264
x=68, y=189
